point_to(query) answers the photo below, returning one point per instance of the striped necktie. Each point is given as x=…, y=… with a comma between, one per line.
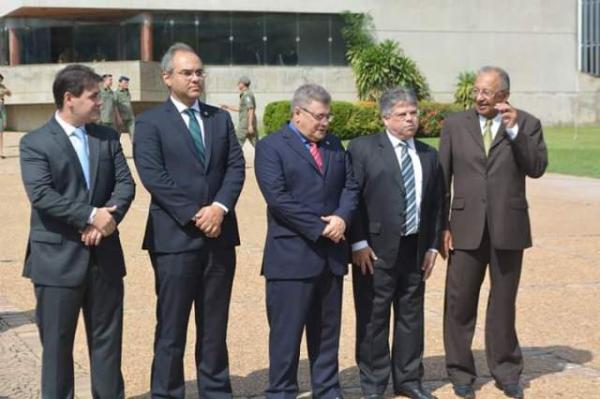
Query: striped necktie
x=487, y=136
x=410, y=193
x=196, y=134
x=316, y=154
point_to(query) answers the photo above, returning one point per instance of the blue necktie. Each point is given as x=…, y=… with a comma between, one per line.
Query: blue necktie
x=80, y=144
x=196, y=134
x=410, y=193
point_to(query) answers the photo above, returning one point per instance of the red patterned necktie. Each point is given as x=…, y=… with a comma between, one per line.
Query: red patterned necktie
x=316, y=154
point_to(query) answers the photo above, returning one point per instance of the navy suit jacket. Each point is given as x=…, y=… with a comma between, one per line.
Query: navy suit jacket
x=61, y=203
x=297, y=195
x=168, y=165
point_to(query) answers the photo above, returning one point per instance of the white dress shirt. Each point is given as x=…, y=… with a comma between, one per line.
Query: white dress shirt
x=512, y=132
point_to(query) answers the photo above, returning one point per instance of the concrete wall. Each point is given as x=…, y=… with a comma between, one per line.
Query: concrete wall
x=32, y=103
x=535, y=41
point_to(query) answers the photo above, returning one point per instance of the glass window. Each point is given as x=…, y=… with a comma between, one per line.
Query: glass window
x=282, y=35
x=589, y=34
x=3, y=43
x=313, y=47
x=338, y=45
x=249, y=38
x=95, y=42
x=215, y=38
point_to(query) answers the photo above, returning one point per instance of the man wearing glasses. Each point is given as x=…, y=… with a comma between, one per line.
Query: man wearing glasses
x=395, y=238
x=486, y=153
x=306, y=179
x=189, y=159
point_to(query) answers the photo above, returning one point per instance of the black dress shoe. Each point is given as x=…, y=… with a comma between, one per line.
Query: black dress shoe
x=511, y=390
x=464, y=391
x=414, y=392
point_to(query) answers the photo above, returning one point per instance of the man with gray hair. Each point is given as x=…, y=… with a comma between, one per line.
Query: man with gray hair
x=395, y=238
x=306, y=179
x=189, y=159
x=486, y=153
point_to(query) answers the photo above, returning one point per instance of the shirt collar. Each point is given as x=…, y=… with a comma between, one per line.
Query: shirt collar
x=495, y=120
x=396, y=141
x=182, y=107
x=295, y=129
x=67, y=127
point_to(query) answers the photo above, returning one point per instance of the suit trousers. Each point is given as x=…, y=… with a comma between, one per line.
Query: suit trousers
x=399, y=285
x=292, y=305
x=203, y=278
x=57, y=312
x=465, y=274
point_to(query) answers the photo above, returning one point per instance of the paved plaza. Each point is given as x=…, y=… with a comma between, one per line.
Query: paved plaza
x=558, y=304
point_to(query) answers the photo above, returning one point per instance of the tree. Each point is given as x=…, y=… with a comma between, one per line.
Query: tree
x=464, y=88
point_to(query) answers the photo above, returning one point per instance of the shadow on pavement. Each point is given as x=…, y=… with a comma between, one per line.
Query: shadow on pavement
x=16, y=319
x=539, y=361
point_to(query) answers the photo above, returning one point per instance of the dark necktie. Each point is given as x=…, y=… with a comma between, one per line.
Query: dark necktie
x=196, y=134
x=410, y=193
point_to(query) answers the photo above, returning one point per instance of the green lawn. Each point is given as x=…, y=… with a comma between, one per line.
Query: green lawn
x=569, y=152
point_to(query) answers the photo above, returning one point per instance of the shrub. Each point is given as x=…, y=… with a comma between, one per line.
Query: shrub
x=362, y=118
x=276, y=114
x=432, y=115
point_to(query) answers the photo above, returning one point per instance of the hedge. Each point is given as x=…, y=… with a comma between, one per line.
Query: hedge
x=362, y=118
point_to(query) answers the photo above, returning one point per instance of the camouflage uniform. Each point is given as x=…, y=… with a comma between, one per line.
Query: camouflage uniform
x=107, y=110
x=247, y=102
x=123, y=102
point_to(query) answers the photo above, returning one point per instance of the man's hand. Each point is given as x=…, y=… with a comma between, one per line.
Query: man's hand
x=364, y=258
x=91, y=236
x=447, y=245
x=208, y=219
x=508, y=114
x=335, y=228
x=104, y=221
x=428, y=264
x=251, y=131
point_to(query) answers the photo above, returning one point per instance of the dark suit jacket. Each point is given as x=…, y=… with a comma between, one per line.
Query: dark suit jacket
x=490, y=189
x=167, y=162
x=382, y=205
x=61, y=203
x=297, y=195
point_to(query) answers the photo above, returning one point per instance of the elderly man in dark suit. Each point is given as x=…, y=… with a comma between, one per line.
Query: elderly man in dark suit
x=486, y=153
x=395, y=238
x=80, y=188
x=189, y=159
x=306, y=179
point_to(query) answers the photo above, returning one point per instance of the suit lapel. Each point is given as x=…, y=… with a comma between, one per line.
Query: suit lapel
x=474, y=128
x=299, y=147
x=94, y=148
x=327, y=153
x=62, y=140
x=425, y=166
x=207, y=124
x=180, y=128
x=389, y=158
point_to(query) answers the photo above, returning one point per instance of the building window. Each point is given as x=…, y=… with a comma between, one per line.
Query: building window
x=589, y=36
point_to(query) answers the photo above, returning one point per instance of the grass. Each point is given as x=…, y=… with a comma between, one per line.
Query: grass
x=570, y=151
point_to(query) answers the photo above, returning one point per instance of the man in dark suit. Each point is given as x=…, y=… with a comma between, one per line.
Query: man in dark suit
x=486, y=153
x=395, y=237
x=188, y=158
x=306, y=179
x=80, y=188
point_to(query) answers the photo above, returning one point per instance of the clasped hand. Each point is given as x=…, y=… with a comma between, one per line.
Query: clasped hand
x=209, y=219
x=103, y=225
x=334, y=229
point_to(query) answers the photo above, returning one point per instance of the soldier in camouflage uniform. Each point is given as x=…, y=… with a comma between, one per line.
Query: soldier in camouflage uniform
x=109, y=116
x=123, y=101
x=246, y=128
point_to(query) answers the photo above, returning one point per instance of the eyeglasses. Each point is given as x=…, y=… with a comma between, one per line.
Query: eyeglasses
x=189, y=74
x=484, y=93
x=318, y=117
x=405, y=115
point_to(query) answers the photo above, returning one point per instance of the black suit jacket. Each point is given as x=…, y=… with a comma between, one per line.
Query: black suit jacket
x=167, y=162
x=381, y=211
x=61, y=203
